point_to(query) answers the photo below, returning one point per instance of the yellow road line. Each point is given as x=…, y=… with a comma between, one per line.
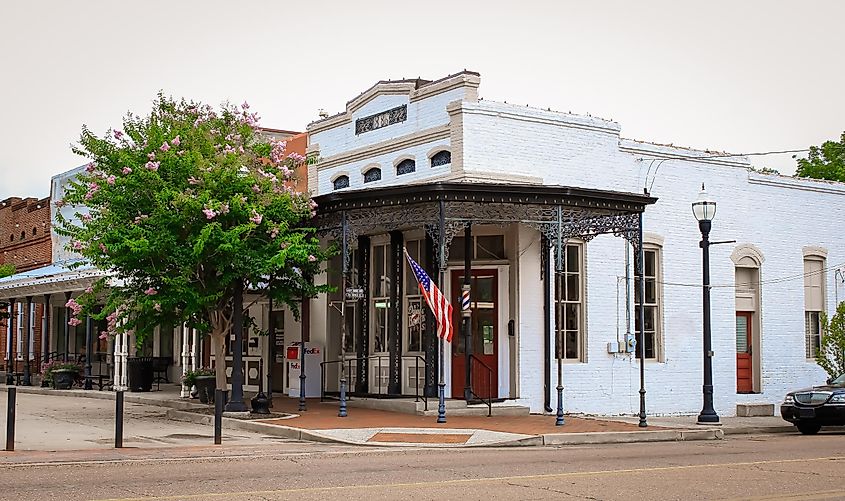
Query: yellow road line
x=482, y=480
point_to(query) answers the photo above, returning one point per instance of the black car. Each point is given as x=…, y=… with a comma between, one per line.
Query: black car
x=812, y=408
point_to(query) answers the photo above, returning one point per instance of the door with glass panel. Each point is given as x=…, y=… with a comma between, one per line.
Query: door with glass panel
x=485, y=325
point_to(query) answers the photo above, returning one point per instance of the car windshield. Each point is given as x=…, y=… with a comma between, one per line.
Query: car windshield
x=839, y=380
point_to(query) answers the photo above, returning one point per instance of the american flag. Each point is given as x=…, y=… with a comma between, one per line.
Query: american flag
x=436, y=300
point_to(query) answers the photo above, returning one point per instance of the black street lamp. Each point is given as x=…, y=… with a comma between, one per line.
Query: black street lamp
x=704, y=209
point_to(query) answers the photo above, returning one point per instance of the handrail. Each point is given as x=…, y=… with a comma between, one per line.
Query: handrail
x=417, y=359
x=489, y=370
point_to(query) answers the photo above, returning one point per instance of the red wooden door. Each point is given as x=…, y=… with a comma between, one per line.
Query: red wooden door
x=485, y=320
x=744, y=364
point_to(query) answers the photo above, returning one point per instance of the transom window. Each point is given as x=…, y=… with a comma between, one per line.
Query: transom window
x=651, y=334
x=406, y=166
x=569, y=338
x=373, y=174
x=442, y=157
x=341, y=182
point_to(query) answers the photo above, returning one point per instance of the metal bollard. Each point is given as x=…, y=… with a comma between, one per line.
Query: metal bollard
x=118, y=420
x=10, y=418
x=218, y=416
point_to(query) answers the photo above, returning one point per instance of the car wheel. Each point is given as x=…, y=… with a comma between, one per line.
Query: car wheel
x=809, y=428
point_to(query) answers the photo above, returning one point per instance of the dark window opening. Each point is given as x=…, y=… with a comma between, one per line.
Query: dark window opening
x=341, y=182
x=441, y=158
x=406, y=167
x=373, y=174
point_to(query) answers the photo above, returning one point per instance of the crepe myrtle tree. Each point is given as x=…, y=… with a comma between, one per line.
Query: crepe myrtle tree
x=182, y=207
x=831, y=355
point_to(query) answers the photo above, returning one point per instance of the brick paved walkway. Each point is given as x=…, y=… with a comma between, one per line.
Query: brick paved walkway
x=323, y=416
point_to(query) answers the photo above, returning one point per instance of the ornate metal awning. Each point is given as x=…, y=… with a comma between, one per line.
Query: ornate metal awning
x=560, y=213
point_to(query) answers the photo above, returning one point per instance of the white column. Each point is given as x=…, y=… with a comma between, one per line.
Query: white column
x=195, y=349
x=186, y=359
x=118, y=362
x=124, y=356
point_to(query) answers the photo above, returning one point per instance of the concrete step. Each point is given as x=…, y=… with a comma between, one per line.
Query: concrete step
x=755, y=409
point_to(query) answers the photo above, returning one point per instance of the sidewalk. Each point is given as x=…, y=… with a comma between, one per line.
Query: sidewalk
x=373, y=427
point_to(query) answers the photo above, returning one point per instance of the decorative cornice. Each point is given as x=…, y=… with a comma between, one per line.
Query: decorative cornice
x=747, y=250
x=814, y=250
x=415, y=89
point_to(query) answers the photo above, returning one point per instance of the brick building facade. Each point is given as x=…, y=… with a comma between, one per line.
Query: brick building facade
x=25, y=243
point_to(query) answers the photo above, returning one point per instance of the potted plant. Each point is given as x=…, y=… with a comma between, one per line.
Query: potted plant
x=203, y=378
x=61, y=374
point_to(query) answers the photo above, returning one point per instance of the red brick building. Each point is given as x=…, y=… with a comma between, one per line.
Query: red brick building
x=25, y=243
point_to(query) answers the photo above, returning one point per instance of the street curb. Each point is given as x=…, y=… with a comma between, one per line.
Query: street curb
x=539, y=440
x=623, y=437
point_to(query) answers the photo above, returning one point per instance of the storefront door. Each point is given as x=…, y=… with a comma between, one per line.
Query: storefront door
x=485, y=325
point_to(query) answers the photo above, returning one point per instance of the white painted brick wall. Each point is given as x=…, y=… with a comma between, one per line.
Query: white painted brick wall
x=571, y=150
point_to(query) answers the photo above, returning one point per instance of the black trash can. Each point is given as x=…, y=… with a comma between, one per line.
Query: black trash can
x=139, y=371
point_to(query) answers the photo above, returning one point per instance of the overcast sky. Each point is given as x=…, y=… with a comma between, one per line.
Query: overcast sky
x=742, y=77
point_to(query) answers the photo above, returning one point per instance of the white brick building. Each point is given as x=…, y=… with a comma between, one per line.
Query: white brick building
x=779, y=274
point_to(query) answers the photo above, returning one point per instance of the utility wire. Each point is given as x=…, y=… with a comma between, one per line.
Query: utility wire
x=778, y=280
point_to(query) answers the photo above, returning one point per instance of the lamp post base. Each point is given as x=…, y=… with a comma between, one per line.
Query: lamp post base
x=708, y=418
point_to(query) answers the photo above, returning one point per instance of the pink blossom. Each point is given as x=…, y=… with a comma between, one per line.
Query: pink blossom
x=110, y=179
x=104, y=335
x=151, y=155
x=176, y=141
x=283, y=245
x=157, y=307
x=311, y=258
x=256, y=188
x=193, y=180
x=224, y=208
x=164, y=146
x=241, y=149
x=86, y=217
x=89, y=195
x=209, y=213
x=151, y=292
x=245, y=105
x=90, y=167
x=256, y=218
x=93, y=187
x=127, y=170
x=103, y=248
x=274, y=232
x=180, y=152
x=74, y=306
x=74, y=322
x=153, y=166
x=77, y=245
x=59, y=204
x=312, y=204
x=89, y=290
x=117, y=134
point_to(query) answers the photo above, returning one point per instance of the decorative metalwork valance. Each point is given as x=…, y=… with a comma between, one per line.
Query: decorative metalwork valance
x=559, y=213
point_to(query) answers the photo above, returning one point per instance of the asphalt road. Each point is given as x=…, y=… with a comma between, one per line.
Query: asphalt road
x=749, y=467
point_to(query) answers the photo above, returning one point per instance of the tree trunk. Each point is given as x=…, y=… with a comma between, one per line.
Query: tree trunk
x=218, y=346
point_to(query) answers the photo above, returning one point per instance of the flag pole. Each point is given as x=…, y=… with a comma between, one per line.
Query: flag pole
x=441, y=257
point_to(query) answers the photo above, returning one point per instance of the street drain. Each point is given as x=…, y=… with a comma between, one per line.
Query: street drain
x=187, y=436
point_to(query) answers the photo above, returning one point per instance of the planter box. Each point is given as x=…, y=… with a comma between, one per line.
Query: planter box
x=205, y=388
